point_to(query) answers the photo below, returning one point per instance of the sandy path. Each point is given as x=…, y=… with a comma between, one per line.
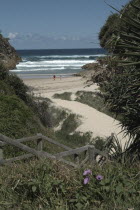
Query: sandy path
x=94, y=121
x=50, y=87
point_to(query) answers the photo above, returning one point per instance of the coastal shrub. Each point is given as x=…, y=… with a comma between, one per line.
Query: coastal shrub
x=51, y=185
x=18, y=86
x=3, y=72
x=70, y=123
x=16, y=118
x=76, y=139
x=95, y=100
x=109, y=29
x=42, y=110
x=116, y=23
x=14, y=84
x=99, y=143
x=63, y=96
x=5, y=88
x=67, y=133
x=14, y=90
x=57, y=115
x=122, y=86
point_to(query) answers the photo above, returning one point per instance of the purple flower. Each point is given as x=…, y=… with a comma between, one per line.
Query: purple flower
x=86, y=172
x=99, y=177
x=86, y=180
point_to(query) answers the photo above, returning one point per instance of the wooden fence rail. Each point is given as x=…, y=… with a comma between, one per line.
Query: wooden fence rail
x=90, y=152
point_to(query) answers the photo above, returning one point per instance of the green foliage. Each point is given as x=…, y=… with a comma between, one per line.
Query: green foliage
x=122, y=85
x=70, y=123
x=123, y=97
x=11, y=84
x=5, y=88
x=57, y=115
x=16, y=118
x=99, y=143
x=3, y=72
x=67, y=134
x=64, y=96
x=74, y=140
x=48, y=185
x=110, y=29
x=116, y=23
x=95, y=100
x=18, y=86
x=42, y=110
x=19, y=114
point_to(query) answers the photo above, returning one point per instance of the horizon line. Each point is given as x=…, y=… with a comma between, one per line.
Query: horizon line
x=62, y=48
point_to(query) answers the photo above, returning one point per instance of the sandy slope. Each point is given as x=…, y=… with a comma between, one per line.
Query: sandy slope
x=92, y=120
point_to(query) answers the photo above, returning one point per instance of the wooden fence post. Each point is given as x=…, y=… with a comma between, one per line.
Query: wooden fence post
x=91, y=151
x=76, y=158
x=1, y=153
x=39, y=142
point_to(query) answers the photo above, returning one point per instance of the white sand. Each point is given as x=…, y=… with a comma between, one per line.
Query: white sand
x=94, y=121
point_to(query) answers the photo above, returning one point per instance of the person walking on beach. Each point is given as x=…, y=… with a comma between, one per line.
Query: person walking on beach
x=54, y=77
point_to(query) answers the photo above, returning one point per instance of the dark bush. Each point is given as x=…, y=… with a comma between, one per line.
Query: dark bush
x=19, y=87
x=122, y=87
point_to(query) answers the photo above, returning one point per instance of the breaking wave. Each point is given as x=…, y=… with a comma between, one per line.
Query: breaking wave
x=67, y=64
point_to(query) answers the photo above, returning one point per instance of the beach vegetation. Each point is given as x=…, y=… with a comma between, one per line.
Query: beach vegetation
x=99, y=143
x=115, y=23
x=16, y=118
x=14, y=85
x=95, y=100
x=68, y=135
x=73, y=140
x=63, y=96
x=70, y=123
x=20, y=115
x=57, y=115
x=42, y=184
x=121, y=87
x=109, y=29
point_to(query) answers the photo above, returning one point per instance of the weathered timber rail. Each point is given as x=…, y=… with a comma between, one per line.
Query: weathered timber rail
x=90, y=152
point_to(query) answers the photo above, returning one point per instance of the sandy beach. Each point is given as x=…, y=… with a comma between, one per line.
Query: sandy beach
x=94, y=121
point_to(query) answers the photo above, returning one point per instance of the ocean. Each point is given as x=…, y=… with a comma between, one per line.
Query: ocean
x=45, y=63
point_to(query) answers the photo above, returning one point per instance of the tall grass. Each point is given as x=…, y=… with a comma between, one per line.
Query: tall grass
x=50, y=185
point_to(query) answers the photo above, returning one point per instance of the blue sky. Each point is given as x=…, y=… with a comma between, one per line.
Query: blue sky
x=54, y=24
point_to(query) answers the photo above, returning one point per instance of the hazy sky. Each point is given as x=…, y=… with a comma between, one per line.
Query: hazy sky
x=54, y=24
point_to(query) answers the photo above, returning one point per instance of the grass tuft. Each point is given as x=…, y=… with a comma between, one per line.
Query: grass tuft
x=63, y=96
x=95, y=100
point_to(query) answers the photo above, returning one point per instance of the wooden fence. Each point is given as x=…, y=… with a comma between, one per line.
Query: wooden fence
x=89, y=151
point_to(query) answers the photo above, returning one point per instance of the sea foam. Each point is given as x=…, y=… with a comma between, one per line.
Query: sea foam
x=45, y=64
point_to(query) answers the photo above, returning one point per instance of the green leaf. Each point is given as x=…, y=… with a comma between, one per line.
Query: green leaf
x=34, y=188
x=79, y=206
x=119, y=189
x=105, y=182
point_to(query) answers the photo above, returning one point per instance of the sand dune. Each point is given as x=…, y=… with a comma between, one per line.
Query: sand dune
x=94, y=121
